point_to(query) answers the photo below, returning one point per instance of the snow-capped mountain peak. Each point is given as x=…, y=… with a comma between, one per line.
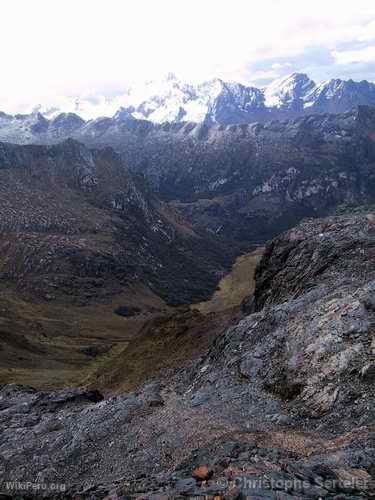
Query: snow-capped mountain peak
x=337, y=95
x=170, y=99
x=289, y=91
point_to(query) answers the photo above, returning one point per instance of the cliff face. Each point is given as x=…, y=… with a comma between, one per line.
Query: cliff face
x=282, y=405
x=328, y=252
x=76, y=223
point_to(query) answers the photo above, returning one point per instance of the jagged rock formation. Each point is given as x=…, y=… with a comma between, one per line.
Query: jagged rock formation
x=75, y=223
x=282, y=406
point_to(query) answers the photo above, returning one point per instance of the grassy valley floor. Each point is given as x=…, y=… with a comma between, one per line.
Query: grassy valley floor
x=50, y=345
x=235, y=286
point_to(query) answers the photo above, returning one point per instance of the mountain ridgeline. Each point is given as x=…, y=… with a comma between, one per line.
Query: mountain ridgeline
x=216, y=101
x=245, y=182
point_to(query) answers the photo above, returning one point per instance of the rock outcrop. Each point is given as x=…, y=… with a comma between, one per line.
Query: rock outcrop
x=282, y=406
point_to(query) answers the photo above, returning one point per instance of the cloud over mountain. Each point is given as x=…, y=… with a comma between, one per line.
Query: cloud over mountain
x=131, y=40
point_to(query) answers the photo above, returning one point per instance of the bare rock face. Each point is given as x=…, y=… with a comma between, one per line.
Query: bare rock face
x=314, y=293
x=330, y=252
x=282, y=405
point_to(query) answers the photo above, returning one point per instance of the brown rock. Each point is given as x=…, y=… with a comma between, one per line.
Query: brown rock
x=201, y=473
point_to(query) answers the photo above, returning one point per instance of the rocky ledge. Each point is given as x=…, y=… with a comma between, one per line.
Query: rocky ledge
x=281, y=407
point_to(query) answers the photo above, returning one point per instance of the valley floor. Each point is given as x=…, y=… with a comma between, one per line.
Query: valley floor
x=55, y=346
x=235, y=286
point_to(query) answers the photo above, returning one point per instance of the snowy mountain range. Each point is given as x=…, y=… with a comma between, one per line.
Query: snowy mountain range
x=171, y=100
x=168, y=100
x=215, y=101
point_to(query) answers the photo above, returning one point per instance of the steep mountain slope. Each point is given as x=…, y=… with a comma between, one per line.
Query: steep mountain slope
x=339, y=96
x=76, y=218
x=289, y=93
x=282, y=405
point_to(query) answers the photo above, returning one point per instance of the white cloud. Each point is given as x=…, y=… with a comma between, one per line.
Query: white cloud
x=367, y=32
x=54, y=48
x=365, y=55
x=277, y=66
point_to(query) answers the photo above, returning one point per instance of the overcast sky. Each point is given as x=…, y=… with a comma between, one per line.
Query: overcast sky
x=69, y=47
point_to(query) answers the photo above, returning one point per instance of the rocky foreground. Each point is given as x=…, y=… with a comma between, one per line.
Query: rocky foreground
x=281, y=407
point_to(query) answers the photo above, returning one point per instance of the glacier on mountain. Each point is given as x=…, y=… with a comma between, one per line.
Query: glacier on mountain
x=215, y=101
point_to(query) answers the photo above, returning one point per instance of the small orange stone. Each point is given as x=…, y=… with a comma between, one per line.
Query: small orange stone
x=201, y=473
